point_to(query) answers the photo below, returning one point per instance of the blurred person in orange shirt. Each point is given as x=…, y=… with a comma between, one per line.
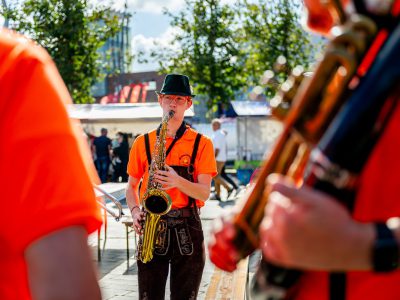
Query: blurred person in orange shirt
x=48, y=202
x=190, y=166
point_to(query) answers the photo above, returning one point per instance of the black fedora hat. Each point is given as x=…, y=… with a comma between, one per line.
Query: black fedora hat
x=176, y=84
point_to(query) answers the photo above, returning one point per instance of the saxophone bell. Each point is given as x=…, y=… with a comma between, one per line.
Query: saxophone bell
x=157, y=202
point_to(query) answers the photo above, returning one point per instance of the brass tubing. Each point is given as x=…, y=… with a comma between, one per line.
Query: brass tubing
x=314, y=106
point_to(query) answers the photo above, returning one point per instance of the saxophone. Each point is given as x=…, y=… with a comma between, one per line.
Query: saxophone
x=155, y=201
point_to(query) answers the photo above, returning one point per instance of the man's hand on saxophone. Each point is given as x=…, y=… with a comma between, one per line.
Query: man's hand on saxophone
x=138, y=218
x=168, y=178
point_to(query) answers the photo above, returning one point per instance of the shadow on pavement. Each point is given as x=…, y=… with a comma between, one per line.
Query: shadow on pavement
x=226, y=203
x=113, y=258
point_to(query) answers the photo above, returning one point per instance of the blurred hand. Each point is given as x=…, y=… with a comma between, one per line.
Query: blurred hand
x=222, y=251
x=168, y=178
x=138, y=217
x=307, y=229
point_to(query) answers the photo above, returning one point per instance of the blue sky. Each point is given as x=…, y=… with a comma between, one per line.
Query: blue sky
x=150, y=25
x=148, y=28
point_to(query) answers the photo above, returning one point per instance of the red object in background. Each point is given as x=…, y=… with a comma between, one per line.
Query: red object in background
x=111, y=98
x=128, y=94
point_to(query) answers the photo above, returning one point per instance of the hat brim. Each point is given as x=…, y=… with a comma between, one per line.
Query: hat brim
x=175, y=93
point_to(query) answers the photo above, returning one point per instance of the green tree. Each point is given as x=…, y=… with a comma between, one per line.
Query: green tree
x=271, y=29
x=72, y=32
x=207, y=52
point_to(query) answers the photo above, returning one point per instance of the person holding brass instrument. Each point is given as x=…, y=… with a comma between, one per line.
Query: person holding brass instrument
x=47, y=197
x=334, y=231
x=176, y=165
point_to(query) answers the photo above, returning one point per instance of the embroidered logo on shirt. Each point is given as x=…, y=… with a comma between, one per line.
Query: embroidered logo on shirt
x=184, y=160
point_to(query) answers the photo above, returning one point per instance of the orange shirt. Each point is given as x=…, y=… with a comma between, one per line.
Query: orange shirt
x=180, y=155
x=44, y=186
x=378, y=199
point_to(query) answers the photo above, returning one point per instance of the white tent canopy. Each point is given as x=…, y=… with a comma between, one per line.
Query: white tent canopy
x=251, y=108
x=256, y=129
x=133, y=118
x=118, y=111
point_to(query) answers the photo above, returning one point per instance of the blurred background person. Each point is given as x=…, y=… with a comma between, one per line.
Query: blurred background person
x=226, y=176
x=220, y=151
x=102, y=148
x=120, y=157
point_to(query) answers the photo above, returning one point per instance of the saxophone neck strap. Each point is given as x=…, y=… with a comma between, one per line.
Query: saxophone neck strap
x=192, y=201
x=147, y=144
x=195, y=147
x=179, y=133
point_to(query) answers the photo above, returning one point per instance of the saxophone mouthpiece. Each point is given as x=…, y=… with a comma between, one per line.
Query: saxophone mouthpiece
x=171, y=113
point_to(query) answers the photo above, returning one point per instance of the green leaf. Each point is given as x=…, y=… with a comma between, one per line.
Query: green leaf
x=72, y=33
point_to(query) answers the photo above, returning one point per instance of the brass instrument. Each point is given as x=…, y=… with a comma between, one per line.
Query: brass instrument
x=338, y=160
x=155, y=201
x=116, y=215
x=314, y=104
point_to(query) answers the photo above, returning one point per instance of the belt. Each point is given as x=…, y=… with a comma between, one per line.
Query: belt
x=180, y=212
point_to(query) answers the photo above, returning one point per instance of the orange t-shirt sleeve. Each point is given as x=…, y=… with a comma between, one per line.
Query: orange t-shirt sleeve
x=137, y=158
x=45, y=173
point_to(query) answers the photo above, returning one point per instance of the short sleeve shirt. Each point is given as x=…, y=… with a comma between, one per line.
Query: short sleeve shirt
x=44, y=182
x=180, y=155
x=103, y=145
x=219, y=141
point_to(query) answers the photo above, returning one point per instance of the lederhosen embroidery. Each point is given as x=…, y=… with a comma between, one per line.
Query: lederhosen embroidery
x=179, y=224
x=184, y=239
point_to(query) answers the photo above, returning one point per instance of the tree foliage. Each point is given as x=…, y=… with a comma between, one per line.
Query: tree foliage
x=271, y=30
x=207, y=49
x=72, y=32
x=226, y=49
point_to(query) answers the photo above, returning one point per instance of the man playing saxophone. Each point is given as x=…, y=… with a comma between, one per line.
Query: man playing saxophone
x=344, y=252
x=185, y=167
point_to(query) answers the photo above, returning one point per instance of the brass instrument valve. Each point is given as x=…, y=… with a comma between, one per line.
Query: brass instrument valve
x=282, y=101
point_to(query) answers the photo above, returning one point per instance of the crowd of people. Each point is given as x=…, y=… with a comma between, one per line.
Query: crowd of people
x=338, y=251
x=111, y=156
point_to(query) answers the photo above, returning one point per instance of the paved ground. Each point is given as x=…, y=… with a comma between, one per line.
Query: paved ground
x=118, y=277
